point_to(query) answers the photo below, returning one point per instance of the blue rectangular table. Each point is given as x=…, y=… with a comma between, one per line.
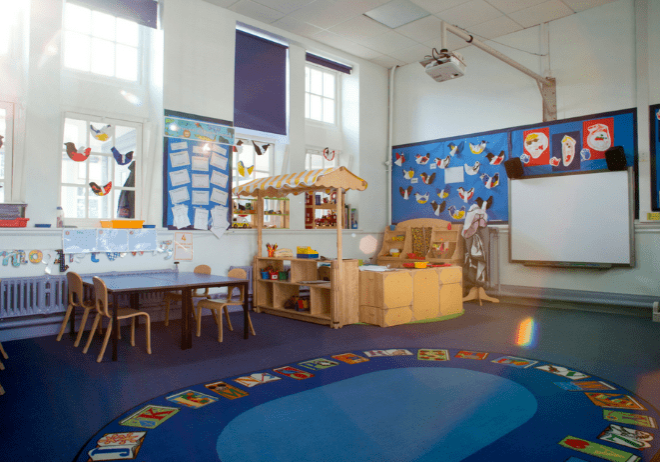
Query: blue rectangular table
x=186, y=282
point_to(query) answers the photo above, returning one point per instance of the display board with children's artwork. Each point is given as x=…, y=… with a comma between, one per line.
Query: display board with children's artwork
x=443, y=178
x=654, y=113
x=573, y=145
x=196, y=171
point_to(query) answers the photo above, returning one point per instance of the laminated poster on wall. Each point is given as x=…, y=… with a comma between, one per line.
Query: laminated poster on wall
x=197, y=167
x=183, y=246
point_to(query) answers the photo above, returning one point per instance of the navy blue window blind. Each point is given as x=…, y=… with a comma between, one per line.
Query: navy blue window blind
x=260, y=84
x=328, y=63
x=144, y=12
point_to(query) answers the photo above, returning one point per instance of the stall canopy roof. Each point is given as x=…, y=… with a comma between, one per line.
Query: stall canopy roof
x=295, y=183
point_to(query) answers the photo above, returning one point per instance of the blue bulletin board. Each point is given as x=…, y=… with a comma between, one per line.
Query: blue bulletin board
x=443, y=178
x=654, y=116
x=197, y=174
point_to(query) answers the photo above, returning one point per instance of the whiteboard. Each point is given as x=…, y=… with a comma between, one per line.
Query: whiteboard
x=572, y=220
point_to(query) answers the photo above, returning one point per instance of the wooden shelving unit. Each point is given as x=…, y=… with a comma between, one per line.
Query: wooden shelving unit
x=440, y=242
x=315, y=212
x=276, y=213
x=271, y=295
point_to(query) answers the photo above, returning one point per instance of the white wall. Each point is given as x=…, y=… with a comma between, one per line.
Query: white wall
x=594, y=57
x=197, y=77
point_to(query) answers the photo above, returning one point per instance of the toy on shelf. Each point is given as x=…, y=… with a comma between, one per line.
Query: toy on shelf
x=307, y=252
x=271, y=248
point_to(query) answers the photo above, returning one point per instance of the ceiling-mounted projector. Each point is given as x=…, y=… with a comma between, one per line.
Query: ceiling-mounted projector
x=446, y=66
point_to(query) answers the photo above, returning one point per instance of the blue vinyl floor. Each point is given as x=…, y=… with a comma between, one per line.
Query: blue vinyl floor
x=57, y=399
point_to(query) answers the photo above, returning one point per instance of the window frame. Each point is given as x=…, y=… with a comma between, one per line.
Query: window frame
x=337, y=99
x=94, y=77
x=7, y=180
x=234, y=158
x=316, y=151
x=98, y=120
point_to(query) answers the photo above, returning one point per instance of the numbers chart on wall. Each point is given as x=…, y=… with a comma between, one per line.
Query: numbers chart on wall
x=197, y=170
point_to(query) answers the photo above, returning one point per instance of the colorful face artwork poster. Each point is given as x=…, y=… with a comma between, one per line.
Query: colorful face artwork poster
x=197, y=170
x=444, y=178
x=573, y=145
x=655, y=152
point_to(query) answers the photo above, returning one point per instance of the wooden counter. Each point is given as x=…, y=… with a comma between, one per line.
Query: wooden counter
x=398, y=297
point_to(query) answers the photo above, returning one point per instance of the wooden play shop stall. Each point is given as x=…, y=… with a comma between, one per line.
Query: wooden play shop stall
x=334, y=302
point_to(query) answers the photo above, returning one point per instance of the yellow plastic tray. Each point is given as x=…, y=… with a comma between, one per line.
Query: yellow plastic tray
x=122, y=223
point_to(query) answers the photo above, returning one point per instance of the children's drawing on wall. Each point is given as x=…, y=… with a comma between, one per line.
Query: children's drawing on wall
x=536, y=148
x=565, y=147
x=445, y=177
x=598, y=137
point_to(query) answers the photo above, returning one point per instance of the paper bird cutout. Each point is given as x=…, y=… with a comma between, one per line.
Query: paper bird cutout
x=260, y=150
x=400, y=159
x=426, y=178
x=244, y=171
x=405, y=193
x=456, y=214
x=490, y=182
x=422, y=160
x=73, y=153
x=456, y=149
x=238, y=147
x=438, y=208
x=101, y=134
x=495, y=159
x=443, y=193
x=465, y=195
x=478, y=148
x=472, y=170
x=422, y=199
x=97, y=189
x=122, y=159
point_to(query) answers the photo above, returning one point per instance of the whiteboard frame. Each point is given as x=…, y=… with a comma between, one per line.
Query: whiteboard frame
x=571, y=264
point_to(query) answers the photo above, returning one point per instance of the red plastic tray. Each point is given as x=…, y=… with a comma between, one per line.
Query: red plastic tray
x=15, y=223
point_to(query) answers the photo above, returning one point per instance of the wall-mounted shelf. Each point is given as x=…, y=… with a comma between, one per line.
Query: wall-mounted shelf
x=276, y=213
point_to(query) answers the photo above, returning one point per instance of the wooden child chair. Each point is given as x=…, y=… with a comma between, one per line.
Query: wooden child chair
x=74, y=281
x=177, y=296
x=218, y=304
x=2, y=366
x=101, y=294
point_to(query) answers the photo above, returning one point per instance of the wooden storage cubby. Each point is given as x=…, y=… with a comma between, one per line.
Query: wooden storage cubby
x=442, y=233
x=273, y=294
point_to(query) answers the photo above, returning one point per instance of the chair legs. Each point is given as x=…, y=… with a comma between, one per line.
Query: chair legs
x=3, y=352
x=81, y=328
x=2, y=366
x=65, y=321
x=167, y=312
x=227, y=317
x=97, y=319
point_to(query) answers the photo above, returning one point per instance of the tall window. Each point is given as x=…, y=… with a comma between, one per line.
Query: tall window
x=100, y=169
x=252, y=165
x=101, y=43
x=320, y=94
x=6, y=144
x=321, y=158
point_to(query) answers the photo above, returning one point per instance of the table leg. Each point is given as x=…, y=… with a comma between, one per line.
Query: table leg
x=246, y=327
x=115, y=326
x=186, y=319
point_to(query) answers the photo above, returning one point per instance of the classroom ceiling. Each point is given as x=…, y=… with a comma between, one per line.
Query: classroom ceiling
x=342, y=24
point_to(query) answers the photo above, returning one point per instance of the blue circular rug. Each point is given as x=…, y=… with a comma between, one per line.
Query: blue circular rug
x=390, y=405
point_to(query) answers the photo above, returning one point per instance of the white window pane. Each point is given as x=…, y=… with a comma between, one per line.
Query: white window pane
x=100, y=169
x=307, y=105
x=73, y=172
x=75, y=131
x=247, y=155
x=77, y=18
x=3, y=133
x=316, y=161
x=99, y=206
x=329, y=85
x=73, y=201
x=127, y=63
x=315, y=107
x=316, y=83
x=328, y=111
x=127, y=32
x=262, y=162
x=307, y=85
x=103, y=57
x=77, y=51
x=103, y=25
x=2, y=191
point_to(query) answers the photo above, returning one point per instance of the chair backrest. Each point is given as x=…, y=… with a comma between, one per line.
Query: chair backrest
x=101, y=296
x=237, y=273
x=201, y=269
x=75, y=287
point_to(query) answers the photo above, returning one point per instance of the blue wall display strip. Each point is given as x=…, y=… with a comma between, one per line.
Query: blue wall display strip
x=443, y=178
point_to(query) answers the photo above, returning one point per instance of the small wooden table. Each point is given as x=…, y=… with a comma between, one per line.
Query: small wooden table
x=186, y=282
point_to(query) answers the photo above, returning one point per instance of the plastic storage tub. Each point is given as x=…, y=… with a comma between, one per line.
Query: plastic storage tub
x=122, y=223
